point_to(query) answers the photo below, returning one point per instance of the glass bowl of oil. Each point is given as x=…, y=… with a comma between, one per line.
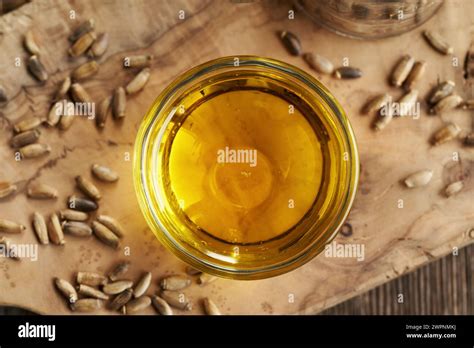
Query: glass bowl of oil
x=245, y=167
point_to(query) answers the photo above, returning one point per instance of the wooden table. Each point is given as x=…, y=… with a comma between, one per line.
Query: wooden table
x=396, y=240
x=442, y=287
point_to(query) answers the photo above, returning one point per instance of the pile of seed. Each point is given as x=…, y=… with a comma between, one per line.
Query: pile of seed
x=84, y=41
x=80, y=219
x=406, y=74
x=73, y=220
x=115, y=292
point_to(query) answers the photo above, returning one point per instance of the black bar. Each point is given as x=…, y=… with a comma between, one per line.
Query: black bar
x=241, y=330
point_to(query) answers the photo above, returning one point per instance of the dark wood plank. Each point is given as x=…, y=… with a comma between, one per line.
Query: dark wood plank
x=445, y=286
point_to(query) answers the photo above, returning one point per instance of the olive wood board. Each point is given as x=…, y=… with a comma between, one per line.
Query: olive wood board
x=396, y=240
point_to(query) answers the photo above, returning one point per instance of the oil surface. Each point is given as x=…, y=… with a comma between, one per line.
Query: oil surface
x=245, y=166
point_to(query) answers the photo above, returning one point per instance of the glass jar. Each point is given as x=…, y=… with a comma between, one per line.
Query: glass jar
x=245, y=167
x=369, y=19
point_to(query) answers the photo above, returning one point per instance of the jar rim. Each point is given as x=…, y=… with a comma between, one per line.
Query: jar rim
x=154, y=116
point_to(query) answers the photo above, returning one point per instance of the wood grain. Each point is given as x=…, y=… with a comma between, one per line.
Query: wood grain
x=456, y=296
x=445, y=286
x=396, y=240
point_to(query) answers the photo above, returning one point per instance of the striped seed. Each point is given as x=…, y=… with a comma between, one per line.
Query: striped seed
x=85, y=71
x=66, y=122
x=77, y=228
x=319, y=63
x=119, y=270
x=407, y=102
x=82, y=44
x=87, y=305
x=25, y=138
x=12, y=227
x=79, y=94
x=347, y=72
x=34, y=150
x=55, y=230
x=88, y=188
x=66, y=289
x=121, y=299
x=81, y=204
x=291, y=42
x=441, y=91
x=37, y=69
x=39, y=226
x=99, y=46
x=117, y=287
x=27, y=124
x=137, y=304
x=450, y=102
x=119, y=103
x=177, y=300
x=161, y=305
x=104, y=173
x=402, y=70
x=90, y=278
x=41, y=191
x=415, y=75
x=105, y=235
x=141, y=61
x=89, y=291
x=112, y=224
x=384, y=117
x=421, y=178
x=175, y=282
x=103, y=111
x=142, y=285
x=448, y=132
x=376, y=103
x=55, y=113
x=138, y=82
x=63, y=88
x=73, y=215
x=438, y=42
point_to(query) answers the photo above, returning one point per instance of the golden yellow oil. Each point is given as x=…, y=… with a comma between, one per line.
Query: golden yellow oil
x=269, y=172
x=245, y=171
x=238, y=201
